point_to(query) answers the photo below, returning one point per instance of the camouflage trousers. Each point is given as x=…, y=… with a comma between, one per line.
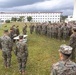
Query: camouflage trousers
x=24, y=33
x=22, y=63
x=7, y=58
x=48, y=34
x=65, y=36
x=31, y=31
x=43, y=32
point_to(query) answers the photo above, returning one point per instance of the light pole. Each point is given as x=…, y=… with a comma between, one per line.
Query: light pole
x=0, y=24
x=74, y=11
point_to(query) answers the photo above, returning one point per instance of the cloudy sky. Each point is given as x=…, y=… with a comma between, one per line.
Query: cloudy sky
x=65, y=6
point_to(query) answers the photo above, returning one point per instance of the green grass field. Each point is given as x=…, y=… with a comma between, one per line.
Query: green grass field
x=43, y=52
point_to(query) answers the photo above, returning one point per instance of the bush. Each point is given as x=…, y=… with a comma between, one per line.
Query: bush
x=7, y=21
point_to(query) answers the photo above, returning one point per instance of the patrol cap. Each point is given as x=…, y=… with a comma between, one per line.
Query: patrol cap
x=5, y=30
x=20, y=36
x=65, y=49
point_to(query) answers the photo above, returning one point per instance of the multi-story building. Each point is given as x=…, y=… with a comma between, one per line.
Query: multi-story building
x=36, y=16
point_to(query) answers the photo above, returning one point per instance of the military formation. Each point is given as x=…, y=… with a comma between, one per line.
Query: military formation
x=57, y=31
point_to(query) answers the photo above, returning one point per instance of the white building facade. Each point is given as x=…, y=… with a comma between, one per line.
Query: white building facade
x=53, y=17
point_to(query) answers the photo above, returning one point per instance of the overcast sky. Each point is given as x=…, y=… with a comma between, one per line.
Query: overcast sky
x=65, y=6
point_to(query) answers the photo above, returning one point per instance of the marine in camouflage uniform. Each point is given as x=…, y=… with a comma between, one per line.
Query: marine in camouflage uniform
x=31, y=28
x=48, y=30
x=59, y=33
x=55, y=31
x=24, y=29
x=51, y=30
x=11, y=35
x=36, y=28
x=72, y=42
x=39, y=28
x=65, y=32
x=6, y=44
x=44, y=29
x=22, y=53
x=64, y=66
x=17, y=30
x=14, y=30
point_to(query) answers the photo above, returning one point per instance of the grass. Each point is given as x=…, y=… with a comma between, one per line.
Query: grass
x=43, y=52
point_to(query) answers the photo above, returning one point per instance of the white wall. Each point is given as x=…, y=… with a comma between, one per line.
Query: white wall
x=36, y=17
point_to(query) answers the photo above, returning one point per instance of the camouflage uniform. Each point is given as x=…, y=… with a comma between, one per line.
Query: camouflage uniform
x=14, y=31
x=44, y=29
x=24, y=29
x=22, y=54
x=72, y=43
x=64, y=67
x=39, y=28
x=59, y=33
x=42, y=32
x=17, y=31
x=11, y=35
x=6, y=44
x=55, y=32
x=31, y=28
x=65, y=32
x=48, y=30
x=51, y=31
x=36, y=28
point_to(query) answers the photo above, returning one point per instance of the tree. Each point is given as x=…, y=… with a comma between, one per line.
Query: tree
x=13, y=19
x=29, y=18
x=63, y=18
x=21, y=19
x=7, y=21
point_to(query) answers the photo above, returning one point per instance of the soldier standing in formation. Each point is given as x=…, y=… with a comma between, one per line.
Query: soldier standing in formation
x=65, y=32
x=11, y=35
x=72, y=42
x=24, y=29
x=17, y=30
x=22, y=53
x=48, y=30
x=64, y=66
x=6, y=44
x=36, y=28
x=31, y=28
x=59, y=32
x=14, y=30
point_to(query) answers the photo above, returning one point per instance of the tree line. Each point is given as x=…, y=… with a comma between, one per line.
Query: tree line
x=20, y=19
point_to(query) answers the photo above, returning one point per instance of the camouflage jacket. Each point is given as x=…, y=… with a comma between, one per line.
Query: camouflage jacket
x=11, y=35
x=21, y=49
x=72, y=42
x=64, y=68
x=6, y=43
